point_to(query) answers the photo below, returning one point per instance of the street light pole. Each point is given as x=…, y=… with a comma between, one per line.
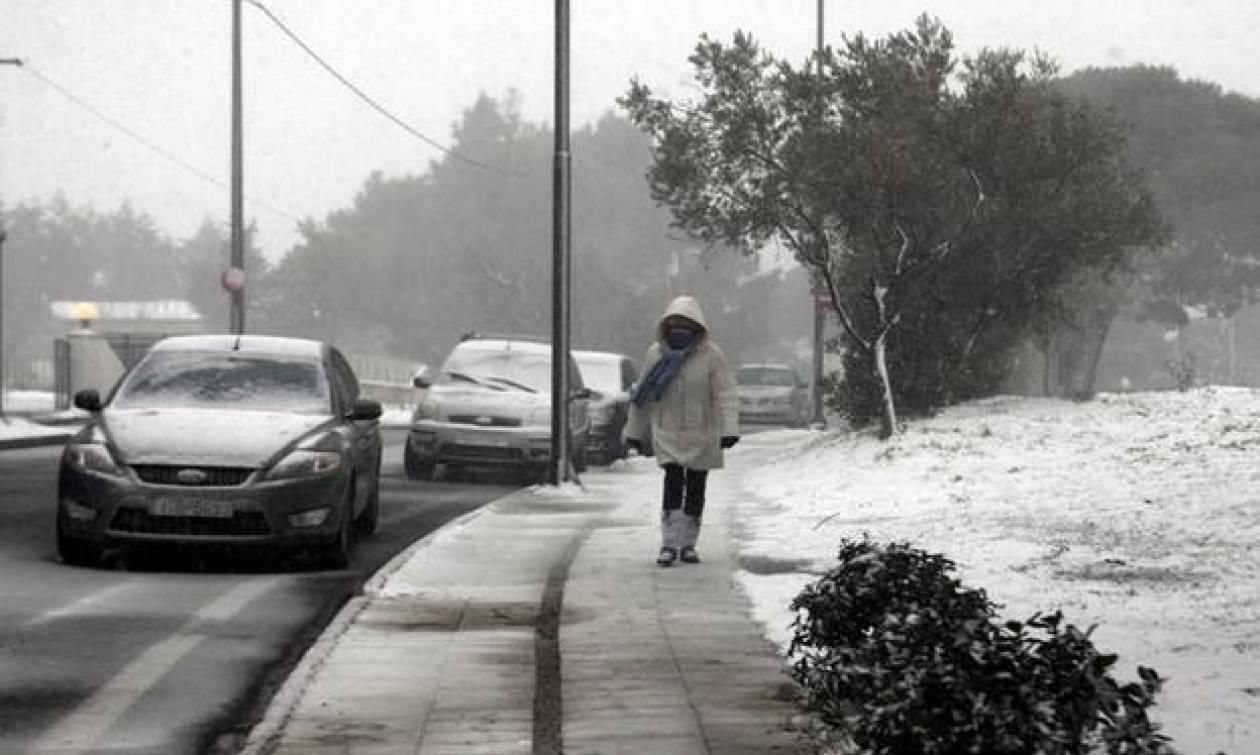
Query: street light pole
x=237, y=199
x=3, y=235
x=560, y=248
x=816, y=283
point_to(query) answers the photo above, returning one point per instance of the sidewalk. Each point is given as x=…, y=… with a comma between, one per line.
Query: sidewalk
x=457, y=647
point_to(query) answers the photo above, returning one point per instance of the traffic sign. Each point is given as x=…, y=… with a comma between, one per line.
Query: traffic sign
x=233, y=280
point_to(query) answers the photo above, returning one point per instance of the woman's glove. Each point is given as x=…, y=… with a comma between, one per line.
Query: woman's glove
x=729, y=440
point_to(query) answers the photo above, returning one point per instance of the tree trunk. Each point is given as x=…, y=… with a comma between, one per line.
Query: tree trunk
x=890, y=424
x=1075, y=353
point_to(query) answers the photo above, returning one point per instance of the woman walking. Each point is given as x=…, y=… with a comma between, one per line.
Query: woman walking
x=687, y=404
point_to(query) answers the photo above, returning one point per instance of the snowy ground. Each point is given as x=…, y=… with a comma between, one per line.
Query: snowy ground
x=17, y=427
x=28, y=402
x=1136, y=512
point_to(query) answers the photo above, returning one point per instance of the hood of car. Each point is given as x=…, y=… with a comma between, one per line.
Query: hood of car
x=475, y=400
x=765, y=391
x=210, y=437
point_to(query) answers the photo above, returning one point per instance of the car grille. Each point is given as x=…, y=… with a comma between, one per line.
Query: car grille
x=462, y=451
x=481, y=420
x=242, y=523
x=164, y=474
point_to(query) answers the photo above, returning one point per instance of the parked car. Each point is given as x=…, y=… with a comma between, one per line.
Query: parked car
x=772, y=393
x=490, y=406
x=224, y=439
x=611, y=377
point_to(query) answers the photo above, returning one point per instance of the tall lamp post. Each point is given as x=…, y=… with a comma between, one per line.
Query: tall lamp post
x=816, y=287
x=237, y=267
x=3, y=236
x=560, y=248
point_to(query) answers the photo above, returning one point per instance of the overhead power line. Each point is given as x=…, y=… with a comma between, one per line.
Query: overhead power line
x=134, y=136
x=373, y=103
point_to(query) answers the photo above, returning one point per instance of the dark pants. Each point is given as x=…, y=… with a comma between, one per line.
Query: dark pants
x=684, y=488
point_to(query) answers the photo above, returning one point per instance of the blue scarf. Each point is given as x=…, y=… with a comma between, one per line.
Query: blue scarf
x=678, y=343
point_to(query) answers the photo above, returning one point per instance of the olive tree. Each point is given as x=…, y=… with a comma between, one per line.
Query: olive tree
x=940, y=204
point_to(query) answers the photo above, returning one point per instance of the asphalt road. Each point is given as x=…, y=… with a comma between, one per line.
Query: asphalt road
x=170, y=652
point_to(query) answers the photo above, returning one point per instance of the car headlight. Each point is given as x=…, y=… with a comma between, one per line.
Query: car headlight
x=427, y=409
x=305, y=464
x=92, y=456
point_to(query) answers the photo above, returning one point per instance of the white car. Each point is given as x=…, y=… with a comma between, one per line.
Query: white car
x=772, y=393
x=490, y=406
x=611, y=377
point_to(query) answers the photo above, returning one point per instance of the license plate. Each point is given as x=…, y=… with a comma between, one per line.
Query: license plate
x=191, y=507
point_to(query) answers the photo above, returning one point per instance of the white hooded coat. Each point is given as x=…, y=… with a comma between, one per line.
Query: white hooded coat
x=698, y=408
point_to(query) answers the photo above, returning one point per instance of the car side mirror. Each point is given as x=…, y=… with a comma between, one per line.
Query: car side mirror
x=365, y=409
x=88, y=400
x=422, y=379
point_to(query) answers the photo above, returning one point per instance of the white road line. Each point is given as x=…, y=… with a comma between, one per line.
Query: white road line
x=79, y=730
x=81, y=605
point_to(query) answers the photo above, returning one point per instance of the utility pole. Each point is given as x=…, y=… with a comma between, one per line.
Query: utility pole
x=560, y=262
x=819, y=309
x=3, y=235
x=238, y=204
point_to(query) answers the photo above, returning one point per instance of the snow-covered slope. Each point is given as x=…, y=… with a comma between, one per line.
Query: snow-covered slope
x=1136, y=512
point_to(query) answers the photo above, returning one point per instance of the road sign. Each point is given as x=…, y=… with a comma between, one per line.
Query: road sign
x=233, y=280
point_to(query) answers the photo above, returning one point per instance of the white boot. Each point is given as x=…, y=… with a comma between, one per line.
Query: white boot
x=687, y=542
x=670, y=536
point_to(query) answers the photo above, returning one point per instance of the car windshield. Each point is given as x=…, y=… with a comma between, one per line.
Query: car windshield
x=765, y=376
x=501, y=369
x=183, y=379
x=602, y=375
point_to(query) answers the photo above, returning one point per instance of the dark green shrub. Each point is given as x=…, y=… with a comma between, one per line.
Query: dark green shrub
x=896, y=655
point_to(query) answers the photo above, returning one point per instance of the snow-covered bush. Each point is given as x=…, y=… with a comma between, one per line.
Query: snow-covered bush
x=896, y=656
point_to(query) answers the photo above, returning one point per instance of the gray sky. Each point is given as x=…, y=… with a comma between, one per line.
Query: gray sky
x=161, y=68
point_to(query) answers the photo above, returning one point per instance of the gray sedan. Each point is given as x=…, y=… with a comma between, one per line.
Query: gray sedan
x=224, y=439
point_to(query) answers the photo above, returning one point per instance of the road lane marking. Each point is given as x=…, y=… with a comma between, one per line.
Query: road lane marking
x=81, y=605
x=79, y=730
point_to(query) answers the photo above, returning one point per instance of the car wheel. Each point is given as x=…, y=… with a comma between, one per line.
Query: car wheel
x=76, y=551
x=369, y=520
x=413, y=466
x=336, y=555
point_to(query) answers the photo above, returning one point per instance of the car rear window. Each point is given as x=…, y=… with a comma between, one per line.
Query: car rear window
x=602, y=375
x=181, y=379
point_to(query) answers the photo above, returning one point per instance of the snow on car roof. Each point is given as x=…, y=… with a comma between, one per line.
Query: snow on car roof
x=598, y=356
x=504, y=344
x=248, y=344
